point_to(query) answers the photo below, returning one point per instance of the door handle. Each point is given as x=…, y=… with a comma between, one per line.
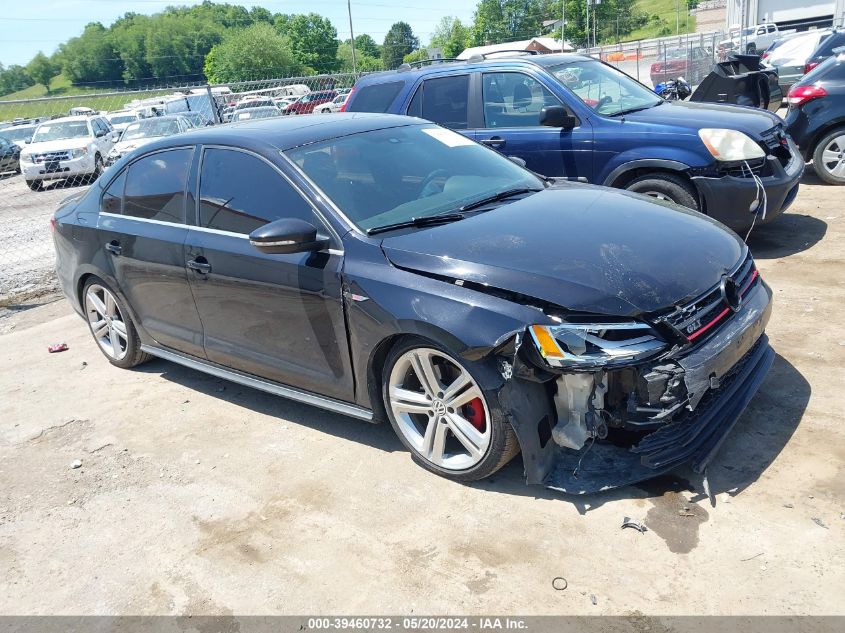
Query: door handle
x=200, y=264
x=495, y=141
x=114, y=247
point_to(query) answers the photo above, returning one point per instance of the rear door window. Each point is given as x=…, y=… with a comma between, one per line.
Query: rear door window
x=443, y=100
x=375, y=97
x=155, y=186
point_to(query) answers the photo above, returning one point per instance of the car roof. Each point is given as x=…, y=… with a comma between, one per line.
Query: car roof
x=75, y=117
x=283, y=133
x=518, y=60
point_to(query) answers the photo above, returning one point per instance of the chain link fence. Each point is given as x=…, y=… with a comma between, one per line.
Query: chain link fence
x=46, y=157
x=651, y=62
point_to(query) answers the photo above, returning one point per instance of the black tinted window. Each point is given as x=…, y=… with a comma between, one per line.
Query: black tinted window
x=113, y=196
x=375, y=98
x=155, y=186
x=239, y=193
x=442, y=100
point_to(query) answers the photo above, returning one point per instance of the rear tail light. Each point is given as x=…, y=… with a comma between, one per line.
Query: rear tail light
x=799, y=95
x=52, y=224
x=809, y=66
x=655, y=68
x=764, y=55
x=348, y=99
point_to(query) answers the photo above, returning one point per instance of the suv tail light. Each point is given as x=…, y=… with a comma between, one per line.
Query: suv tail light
x=809, y=66
x=799, y=95
x=348, y=99
x=52, y=224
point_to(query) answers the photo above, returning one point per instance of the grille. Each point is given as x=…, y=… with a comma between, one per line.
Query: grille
x=755, y=166
x=702, y=316
x=47, y=157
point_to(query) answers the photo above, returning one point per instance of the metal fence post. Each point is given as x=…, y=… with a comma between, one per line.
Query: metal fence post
x=215, y=112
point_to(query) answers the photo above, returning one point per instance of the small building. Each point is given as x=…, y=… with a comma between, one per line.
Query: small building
x=542, y=45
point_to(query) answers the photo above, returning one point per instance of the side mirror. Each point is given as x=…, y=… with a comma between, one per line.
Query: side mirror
x=517, y=160
x=26, y=141
x=100, y=133
x=288, y=235
x=557, y=116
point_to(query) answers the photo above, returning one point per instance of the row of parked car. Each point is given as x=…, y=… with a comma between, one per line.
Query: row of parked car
x=255, y=106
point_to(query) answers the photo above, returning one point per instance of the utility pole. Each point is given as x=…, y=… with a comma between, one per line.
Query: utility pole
x=563, y=26
x=352, y=36
x=677, y=17
x=587, y=30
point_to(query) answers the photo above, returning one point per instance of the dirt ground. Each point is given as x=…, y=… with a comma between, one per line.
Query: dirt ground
x=197, y=496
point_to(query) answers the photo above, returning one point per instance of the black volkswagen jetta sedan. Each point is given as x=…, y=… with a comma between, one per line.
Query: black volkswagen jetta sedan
x=384, y=267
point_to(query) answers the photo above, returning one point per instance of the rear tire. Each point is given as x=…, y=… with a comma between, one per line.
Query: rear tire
x=667, y=187
x=452, y=427
x=829, y=157
x=35, y=185
x=111, y=326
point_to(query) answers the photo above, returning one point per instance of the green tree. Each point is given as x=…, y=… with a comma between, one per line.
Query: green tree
x=497, y=21
x=14, y=78
x=42, y=70
x=91, y=58
x=363, y=61
x=451, y=36
x=418, y=55
x=313, y=41
x=256, y=52
x=399, y=41
x=366, y=45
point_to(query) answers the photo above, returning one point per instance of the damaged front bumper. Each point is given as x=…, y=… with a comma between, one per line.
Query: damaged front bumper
x=720, y=376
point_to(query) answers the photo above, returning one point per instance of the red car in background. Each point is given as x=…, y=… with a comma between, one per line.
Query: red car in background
x=692, y=64
x=306, y=103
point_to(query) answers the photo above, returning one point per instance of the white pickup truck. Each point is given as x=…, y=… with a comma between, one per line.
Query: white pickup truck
x=752, y=40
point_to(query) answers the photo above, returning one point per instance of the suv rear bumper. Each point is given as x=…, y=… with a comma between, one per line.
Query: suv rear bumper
x=728, y=199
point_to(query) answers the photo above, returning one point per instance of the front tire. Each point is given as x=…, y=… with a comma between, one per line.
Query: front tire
x=829, y=157
x=35, y=185
x=668, y=187
x=111, y=325
x=98, y=169
x=452, y=426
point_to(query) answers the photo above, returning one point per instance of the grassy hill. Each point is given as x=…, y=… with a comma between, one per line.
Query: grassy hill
x=60, y=86
x=666, y=10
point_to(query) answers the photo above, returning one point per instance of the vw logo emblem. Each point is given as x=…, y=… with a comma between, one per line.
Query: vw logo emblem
x=730, y=293
x=439, y=408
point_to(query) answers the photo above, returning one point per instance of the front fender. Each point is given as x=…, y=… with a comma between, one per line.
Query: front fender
x=648, y=158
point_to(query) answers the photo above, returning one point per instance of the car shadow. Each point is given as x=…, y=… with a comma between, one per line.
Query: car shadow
x=789, y=234
x=758, y=438
x=379, y=436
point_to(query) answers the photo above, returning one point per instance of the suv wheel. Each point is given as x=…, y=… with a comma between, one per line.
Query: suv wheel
x=111, y=326
x=98, y=168
x=829, y=157
x=666, y=187
x=451, y=426
x=35, y=185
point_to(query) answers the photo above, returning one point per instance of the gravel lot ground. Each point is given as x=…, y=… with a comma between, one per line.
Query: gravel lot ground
x=200, y=497
x=27, y=258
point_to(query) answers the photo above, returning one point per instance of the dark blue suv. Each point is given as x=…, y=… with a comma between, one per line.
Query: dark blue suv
x=575, y=117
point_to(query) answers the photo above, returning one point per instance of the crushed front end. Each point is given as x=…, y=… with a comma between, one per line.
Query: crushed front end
x=602, y=403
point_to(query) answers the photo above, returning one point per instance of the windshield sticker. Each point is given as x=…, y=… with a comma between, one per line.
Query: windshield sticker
x=447, y=137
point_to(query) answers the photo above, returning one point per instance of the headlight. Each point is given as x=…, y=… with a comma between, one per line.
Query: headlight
x=27, y=158
x=729, y=145
x=588, y=345
x=76, y=153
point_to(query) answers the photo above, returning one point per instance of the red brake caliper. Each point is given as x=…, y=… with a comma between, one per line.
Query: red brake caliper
x=474, y=412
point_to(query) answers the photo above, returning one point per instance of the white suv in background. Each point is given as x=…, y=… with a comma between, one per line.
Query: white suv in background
x=69, y=147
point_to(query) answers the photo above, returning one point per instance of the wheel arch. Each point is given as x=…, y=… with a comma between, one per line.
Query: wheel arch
x=622, y=175
x=830, y=126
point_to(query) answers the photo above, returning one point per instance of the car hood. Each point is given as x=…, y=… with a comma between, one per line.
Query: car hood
x=583, y=248
x=696, y=115
x=127, y=146
x=56, y=146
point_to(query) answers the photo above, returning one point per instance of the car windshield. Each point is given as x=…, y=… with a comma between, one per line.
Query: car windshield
x=122, y=118
x=257, y=113
x=18, y=133
x=60, y=131
x=673, y=53
x=402, y=174
x=603, y=88
x=150, y=128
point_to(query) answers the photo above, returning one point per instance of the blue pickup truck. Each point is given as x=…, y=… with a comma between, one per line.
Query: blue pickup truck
x=575, y=117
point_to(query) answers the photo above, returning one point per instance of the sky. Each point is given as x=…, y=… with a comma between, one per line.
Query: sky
x=29, y=27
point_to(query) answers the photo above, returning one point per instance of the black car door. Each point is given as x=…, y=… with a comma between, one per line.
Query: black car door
x=142, y=229
x=275, y=316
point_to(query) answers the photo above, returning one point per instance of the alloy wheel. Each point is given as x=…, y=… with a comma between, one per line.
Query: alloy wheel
x=439, y=409
x=106, y=321
x=833, y=156
x=659, y=195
